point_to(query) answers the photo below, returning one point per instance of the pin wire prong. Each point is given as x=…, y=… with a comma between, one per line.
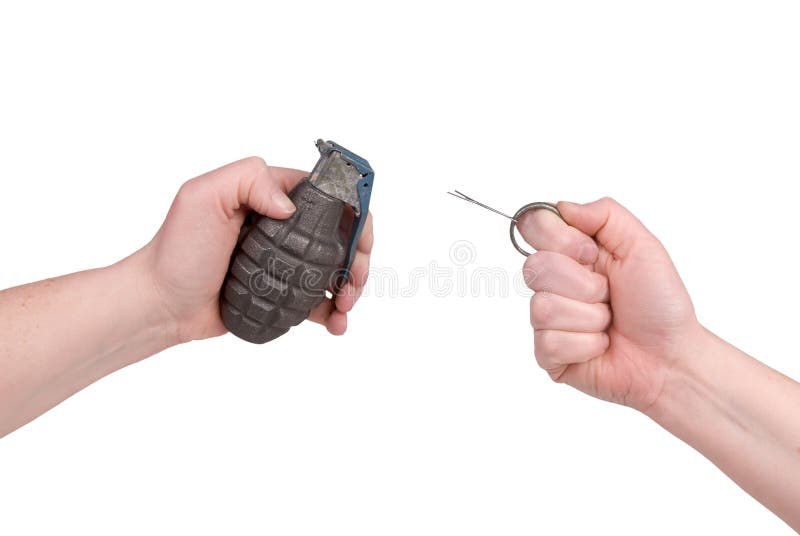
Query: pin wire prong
x=467, y=198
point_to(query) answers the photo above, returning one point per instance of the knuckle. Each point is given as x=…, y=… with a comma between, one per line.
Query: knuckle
x=538, y=262
x=605, y=315
x=598, y=344
x=545, y=345
x=533, y=268
x=595, y=287
x=255, y=162
x=533, y=260
x=611, y=205
x=603, y=342
x=189, y=189
x=556, y=374
x=367, y=240
x=541, y=309
x=360, y=276
x=541, y=358
x=564, y=240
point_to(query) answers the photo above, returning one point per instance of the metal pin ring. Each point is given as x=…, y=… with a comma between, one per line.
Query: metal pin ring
x=530, y=206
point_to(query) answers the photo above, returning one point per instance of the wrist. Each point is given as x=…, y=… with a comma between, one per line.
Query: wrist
x=148, y=315
x=703, y=392
x=687, y=376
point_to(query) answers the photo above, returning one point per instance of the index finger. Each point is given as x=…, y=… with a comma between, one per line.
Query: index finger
x=546, y=231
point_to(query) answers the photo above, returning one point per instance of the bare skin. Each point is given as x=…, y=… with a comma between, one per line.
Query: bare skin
x=62, y=334
x=612, y=318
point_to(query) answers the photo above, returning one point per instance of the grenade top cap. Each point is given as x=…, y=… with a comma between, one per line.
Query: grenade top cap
x=342, y=174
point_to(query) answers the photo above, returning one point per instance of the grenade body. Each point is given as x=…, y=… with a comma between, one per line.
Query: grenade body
x=281, y=269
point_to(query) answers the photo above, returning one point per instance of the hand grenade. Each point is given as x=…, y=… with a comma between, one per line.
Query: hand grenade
x=281, y=269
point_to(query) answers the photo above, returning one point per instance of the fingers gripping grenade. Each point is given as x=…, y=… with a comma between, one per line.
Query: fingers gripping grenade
x=281, y=269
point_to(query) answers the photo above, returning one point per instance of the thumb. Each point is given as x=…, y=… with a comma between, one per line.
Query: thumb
x=611, y=224
x=263, y=188
x=250, y=183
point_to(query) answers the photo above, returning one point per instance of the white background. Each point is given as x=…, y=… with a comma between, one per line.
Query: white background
x=430, y=416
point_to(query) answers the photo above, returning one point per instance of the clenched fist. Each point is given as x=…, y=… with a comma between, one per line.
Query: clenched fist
x=610, y=313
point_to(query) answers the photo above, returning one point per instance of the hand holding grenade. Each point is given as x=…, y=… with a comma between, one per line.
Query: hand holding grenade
x=281, y=269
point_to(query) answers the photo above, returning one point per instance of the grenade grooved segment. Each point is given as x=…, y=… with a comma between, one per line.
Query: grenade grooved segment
x=281, y=268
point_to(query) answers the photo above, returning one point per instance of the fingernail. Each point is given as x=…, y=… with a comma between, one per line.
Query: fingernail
x=588, y=253
x=283, y=202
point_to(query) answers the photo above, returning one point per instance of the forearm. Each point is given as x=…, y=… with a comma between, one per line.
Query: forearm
x=740, y=414
x=60, y=335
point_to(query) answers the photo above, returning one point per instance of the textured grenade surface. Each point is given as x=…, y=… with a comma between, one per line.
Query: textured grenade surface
x=281, y=268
